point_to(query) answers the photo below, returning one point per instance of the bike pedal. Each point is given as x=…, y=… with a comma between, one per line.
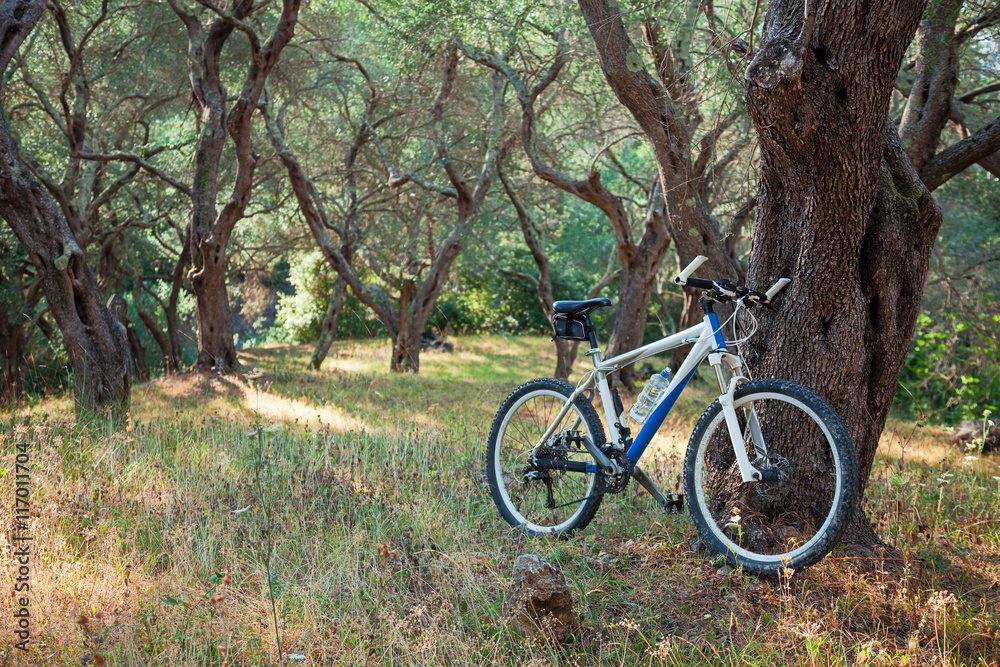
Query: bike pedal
x=675, y=503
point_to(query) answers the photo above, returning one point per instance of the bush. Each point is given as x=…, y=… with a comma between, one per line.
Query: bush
x=951, y=374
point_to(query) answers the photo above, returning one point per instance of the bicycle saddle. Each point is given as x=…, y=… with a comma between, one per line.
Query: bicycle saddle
x=579, y=307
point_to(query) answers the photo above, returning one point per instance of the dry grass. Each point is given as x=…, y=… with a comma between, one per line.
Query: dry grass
x=339, y=513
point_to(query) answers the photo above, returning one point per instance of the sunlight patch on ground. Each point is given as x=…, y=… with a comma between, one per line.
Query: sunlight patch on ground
x=925, y=444
x=284, y=409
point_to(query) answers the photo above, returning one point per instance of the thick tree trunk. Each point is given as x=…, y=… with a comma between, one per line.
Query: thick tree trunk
x=328, y=330
x=13, y=345
x=216, y=348
x=405, y=352
x=840, y=211
x=94, y=341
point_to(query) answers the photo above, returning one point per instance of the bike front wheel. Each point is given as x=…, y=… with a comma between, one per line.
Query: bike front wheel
x=794, y=516
x=543, y=501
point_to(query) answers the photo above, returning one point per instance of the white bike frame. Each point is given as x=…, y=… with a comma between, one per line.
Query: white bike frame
x=708, y=342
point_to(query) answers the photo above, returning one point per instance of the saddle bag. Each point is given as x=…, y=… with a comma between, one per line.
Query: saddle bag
x=570, y=327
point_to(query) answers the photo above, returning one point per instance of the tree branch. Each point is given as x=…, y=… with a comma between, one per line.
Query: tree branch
x=961, y=156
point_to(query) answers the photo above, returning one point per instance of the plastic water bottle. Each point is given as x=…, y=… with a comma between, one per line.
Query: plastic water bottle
x=651, y=395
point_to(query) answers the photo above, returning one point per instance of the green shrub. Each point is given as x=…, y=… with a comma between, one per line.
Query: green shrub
x=951, y=372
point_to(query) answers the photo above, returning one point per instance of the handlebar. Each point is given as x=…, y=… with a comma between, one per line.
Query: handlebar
x=691, y=268
x=777, y=287
x=723, y=288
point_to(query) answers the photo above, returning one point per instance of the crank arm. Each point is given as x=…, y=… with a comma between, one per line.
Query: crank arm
x=603, y=462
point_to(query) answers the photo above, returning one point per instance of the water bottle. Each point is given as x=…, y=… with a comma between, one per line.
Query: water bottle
x=651, y=395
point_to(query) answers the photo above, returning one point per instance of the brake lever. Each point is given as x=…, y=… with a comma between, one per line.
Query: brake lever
x=754, y=299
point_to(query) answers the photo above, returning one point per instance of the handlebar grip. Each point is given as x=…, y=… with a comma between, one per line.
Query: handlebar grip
x=699, y=283
x=777, y=287
x=681, y=279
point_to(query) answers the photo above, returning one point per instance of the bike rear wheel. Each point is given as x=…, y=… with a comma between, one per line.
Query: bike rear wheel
x=795, y=516
x=543, y=501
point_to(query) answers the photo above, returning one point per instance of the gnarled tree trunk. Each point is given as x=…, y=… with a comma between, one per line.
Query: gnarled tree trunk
x=840, y=211
x=94, y=341
x=216, y=347
x=211, y=230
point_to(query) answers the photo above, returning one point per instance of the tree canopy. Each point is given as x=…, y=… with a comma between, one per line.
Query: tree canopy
x=227, y=174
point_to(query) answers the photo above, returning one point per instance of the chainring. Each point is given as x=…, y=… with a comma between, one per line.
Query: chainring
x=618, y=483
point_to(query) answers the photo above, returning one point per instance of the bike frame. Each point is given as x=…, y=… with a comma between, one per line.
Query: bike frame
x=708, y=343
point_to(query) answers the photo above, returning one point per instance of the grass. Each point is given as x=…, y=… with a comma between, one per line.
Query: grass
x=338, y=515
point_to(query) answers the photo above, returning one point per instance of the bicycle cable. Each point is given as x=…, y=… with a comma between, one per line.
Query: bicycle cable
x=754, y=324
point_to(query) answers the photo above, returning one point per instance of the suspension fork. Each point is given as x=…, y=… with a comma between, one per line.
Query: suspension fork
x=716, y=359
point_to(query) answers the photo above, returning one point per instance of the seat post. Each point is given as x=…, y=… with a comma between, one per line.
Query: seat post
x=594, y=351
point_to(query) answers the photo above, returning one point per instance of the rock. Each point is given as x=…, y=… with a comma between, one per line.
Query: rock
x=725, y=570
x=969, y=436
x=538, y=601
x=430, y=341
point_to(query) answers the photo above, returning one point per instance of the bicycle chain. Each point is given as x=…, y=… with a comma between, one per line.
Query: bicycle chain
x=618, y=483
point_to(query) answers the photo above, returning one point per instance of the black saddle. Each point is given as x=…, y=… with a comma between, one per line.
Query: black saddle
x=580, y=307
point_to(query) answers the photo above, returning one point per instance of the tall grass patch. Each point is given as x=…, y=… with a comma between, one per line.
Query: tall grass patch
x=340, y=517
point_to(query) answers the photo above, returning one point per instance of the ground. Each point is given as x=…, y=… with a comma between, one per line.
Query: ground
x=339, y=517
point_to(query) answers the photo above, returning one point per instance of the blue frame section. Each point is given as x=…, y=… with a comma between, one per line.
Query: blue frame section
x=720, y=340
x=655, y=420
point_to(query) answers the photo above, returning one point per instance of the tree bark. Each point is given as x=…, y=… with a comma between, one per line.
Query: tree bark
x=13, y=345
x=94, y=341
x=211, y=229
x=840, y=210
x=216, y=347
x=328, y=330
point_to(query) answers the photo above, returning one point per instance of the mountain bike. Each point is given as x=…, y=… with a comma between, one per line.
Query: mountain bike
x=770, y=474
